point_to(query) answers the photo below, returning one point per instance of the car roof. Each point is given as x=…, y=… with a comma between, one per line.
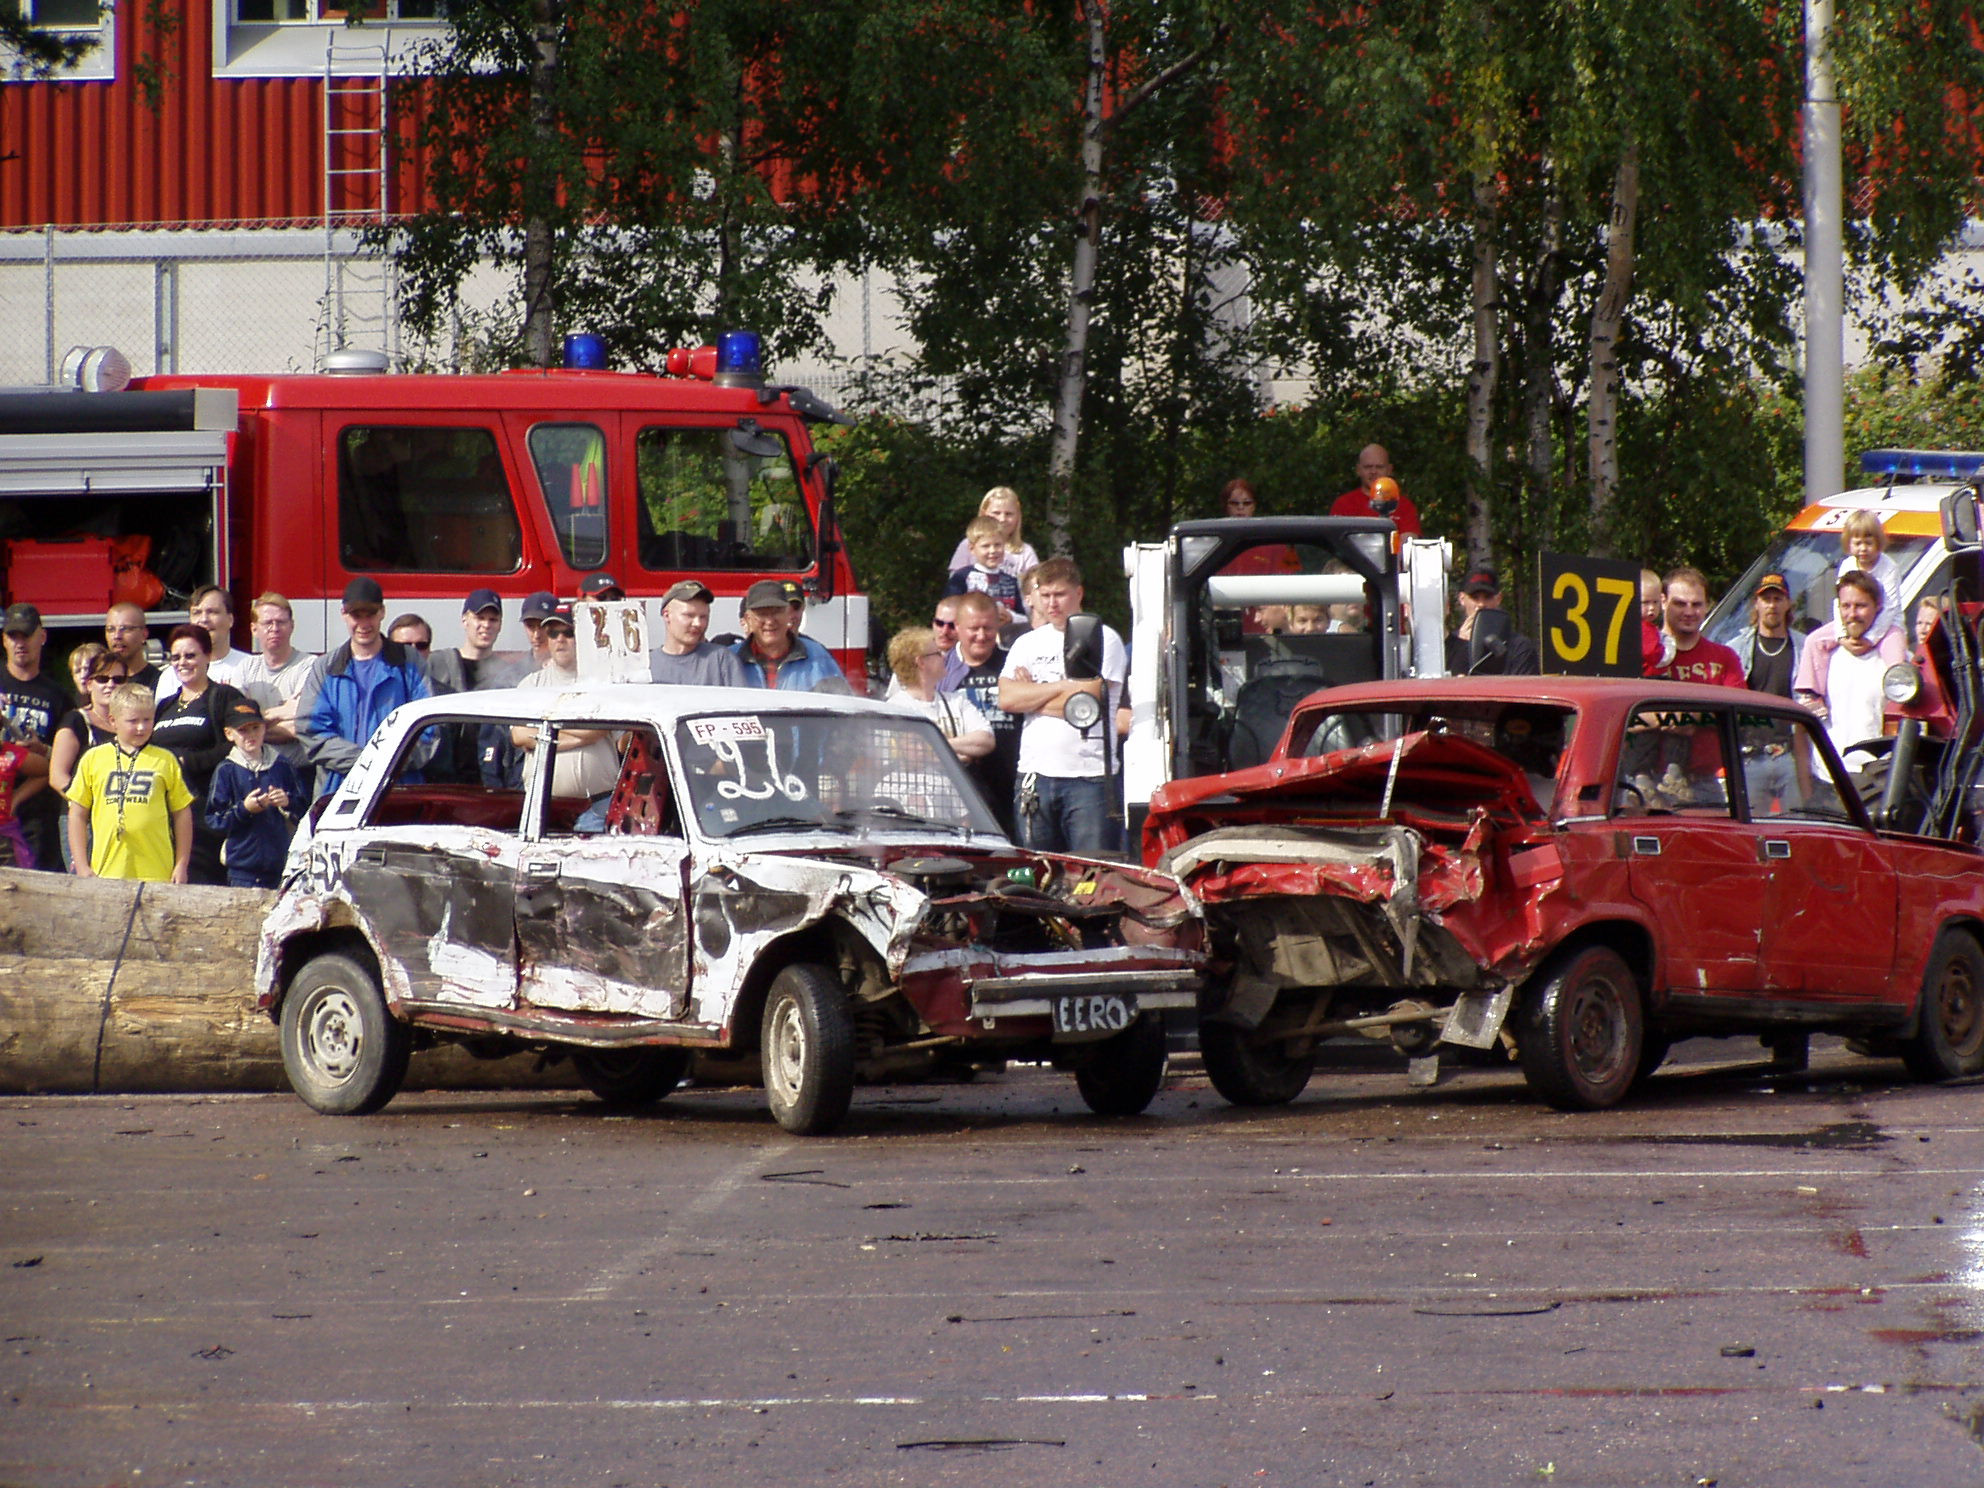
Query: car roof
x=661, y=703
x=1583, y=693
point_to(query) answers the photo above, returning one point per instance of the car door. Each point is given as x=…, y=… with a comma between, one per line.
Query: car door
x=1691, y=861
x=601, y=917
x=433, y=869
x=1830, y=910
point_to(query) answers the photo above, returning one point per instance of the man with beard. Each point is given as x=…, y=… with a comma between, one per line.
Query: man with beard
x=976, y=664
x=1839, y=676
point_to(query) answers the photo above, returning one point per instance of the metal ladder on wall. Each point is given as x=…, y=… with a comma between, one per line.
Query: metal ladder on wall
x=360, y=304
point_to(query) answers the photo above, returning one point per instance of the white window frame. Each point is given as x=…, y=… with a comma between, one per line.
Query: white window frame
x=97, y=65
x=306, y=48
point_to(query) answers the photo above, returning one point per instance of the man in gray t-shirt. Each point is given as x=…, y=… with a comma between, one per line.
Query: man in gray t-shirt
x=684, y=655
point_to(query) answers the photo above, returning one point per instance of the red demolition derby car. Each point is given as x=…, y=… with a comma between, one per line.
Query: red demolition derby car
x=1581, y=869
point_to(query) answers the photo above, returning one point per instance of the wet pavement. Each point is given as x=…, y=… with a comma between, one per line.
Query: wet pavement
x=1737, y=1279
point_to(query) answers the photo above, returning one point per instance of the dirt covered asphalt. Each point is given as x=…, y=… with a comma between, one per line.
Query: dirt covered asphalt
x=1738, y=1279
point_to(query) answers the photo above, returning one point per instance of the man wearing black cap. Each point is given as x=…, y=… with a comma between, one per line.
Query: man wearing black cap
x=538, y=607
x=357, y=685
x=31, y=704
x=465, y=668
x=773, y=654
x=684, y=656
x=1482, y=590
x=600, y=588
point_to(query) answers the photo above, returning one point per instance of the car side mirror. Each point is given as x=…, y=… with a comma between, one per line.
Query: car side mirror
x=1962, y=525
x=1488, y=644
x=1082, y=650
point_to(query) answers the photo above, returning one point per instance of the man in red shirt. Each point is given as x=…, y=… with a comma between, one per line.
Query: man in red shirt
x=1696, y=658
x=1377, y=493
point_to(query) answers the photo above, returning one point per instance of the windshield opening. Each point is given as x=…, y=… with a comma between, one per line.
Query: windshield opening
x=833, y=773
x=1533, y=736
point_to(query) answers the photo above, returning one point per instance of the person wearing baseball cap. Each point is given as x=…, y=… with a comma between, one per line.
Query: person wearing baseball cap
x=684, y=655
x=1768, y=647
x=469, y=667
x=357, y=685
x=601, y=588
x=1482, y=590
x=538, y=605
x=254, y=802
x=32, y=705
x=772, y=651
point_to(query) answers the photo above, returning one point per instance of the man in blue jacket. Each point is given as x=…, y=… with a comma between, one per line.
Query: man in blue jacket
x=356, y=686
x=774, y=653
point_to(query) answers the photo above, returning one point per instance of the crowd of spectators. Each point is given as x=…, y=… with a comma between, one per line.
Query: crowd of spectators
x=199, y=772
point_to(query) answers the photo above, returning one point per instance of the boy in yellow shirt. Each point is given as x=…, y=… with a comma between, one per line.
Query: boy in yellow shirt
x=130, y=813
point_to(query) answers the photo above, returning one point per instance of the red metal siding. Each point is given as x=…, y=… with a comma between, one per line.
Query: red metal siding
x=216, y=150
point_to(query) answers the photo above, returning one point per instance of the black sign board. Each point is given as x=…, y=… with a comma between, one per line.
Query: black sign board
x=1591, y=616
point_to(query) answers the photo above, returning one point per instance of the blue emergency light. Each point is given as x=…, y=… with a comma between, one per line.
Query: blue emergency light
x=585, y=351
x=740, y=356
x=1920, y=464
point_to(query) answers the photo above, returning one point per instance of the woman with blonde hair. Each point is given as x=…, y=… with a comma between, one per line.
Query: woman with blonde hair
x=918, y=662
x=1002, y=505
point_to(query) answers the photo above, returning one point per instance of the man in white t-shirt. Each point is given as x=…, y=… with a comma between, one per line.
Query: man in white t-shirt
x=213, y=611
x=1062, y=801
x=275, y=675
x=1839, y=676
x=587, y=765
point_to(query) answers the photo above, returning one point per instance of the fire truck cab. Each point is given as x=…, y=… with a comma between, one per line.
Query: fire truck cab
x=433, y=484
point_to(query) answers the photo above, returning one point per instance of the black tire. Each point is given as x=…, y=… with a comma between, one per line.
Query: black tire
x=1122, y=1072
x=1248, y=1070
x=630, y=1077
x=807, y=1048
x=1949, y=1035
x=345, y=1054
x=1581, y=1031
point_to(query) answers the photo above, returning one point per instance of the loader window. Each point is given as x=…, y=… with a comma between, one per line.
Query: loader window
x=425, y=500
x=720, y=498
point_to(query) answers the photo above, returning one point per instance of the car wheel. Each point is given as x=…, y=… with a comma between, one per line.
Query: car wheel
x=1122, y=1072
x=808, y=1050
x=1580, y=1037
x=630, y=1077
x=345, y=1054
x=1949, y=1033
x=1249, y=1070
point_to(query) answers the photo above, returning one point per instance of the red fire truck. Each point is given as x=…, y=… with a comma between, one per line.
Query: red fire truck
x=433, y=484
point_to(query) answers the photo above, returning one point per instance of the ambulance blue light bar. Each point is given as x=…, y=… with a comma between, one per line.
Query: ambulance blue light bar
x=1922, y=465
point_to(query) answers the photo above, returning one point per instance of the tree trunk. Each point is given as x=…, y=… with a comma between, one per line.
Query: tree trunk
x=1606, y=317
x=1540, y=369
x=540, y=186
x=1081, y=294
x=1482, y=375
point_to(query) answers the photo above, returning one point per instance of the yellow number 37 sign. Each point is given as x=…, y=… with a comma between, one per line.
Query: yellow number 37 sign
x=1591, y=616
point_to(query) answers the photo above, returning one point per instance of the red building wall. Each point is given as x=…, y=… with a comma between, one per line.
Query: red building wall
x=84, y=153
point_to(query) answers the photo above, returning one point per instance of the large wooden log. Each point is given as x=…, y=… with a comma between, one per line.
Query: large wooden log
x=114, y=986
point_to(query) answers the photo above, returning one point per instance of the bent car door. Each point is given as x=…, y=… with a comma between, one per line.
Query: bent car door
x=1690, y=861
x=600, y=913
x=1830, y=911
x=433, y=870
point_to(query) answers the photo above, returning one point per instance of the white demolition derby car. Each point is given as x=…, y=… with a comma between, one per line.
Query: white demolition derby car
x=809, y=877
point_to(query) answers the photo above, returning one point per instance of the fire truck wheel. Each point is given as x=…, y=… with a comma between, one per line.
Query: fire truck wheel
x=807, y=1045
x=1120, y=1077
x=630, y=1077
x=1249, y=1070
x=1949, y=1033
x=1581, y=1030
x=345, y=1054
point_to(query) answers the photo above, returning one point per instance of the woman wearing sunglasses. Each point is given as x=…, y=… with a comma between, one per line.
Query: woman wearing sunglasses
x=85, y=727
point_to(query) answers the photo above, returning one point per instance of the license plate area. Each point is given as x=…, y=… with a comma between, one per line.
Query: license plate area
x=1092, y=1015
